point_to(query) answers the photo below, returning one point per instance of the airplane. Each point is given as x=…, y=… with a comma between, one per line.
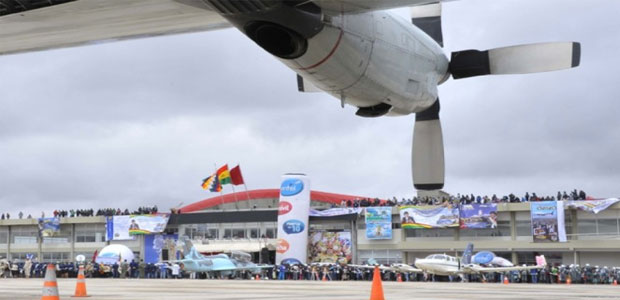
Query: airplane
x=220, y=264
x=446, y=265
x=354, y=50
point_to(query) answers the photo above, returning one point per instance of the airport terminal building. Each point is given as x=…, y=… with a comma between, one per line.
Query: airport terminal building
x=247, y=221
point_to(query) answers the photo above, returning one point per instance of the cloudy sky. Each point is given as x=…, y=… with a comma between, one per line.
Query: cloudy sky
x=143, y=122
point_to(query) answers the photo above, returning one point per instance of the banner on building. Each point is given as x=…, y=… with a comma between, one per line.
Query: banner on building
x=337, y=211
x=157, y=244
x=548, y=221
x=293, y=215
x=378, y=223
x=594, y=206
x=478, y=215
x=124, y=227
x=49, y=227
x=429, y=216
x=330, y=247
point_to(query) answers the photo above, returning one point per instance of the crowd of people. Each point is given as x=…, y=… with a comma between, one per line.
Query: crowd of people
x=464, y=199
x=549, y=275
x=558, y=274
x=133, y=269
x=108, y=212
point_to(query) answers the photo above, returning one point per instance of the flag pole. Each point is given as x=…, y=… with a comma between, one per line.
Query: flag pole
x=234, y=195
x=244, y=185
x=222, y=190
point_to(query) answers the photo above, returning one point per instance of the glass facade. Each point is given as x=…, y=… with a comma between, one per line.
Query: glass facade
x=4, y=235
x=215, y=231
x=429, y=233
x=381, y=256
x=24, y=234
x=89, y=233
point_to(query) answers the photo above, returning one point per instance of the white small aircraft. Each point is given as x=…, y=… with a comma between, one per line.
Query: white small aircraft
x=442, y=264
x=352, y=49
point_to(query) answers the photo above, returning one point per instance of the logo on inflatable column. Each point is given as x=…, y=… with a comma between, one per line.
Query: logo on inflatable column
x=291, y=187
x=293, y=226
x=282, y=246
x=284, y=207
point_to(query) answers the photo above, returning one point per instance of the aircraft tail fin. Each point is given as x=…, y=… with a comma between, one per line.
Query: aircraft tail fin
x=188, y=249
x=467, y=254
x=541, y=261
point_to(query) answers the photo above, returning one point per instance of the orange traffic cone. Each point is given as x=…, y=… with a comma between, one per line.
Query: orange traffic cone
x=568, y=281
x=80, y=287
x=324, y=277
x=376, y=292
x=506, y=280
x=399, y=277
x=50, y=286
x=615, y=282
x=257, y=277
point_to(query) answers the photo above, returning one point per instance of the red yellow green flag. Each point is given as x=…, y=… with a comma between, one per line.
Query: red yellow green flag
x=223, y=175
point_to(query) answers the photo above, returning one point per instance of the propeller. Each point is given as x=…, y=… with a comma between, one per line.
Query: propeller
x=427, y=155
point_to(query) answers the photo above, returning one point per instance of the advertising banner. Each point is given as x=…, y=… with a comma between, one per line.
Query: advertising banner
x=429, y=216
x=154, y=244
x=124, y=227
x=594, y=206
x=478, y=215
x=338, y=211
x=548, y=221
x=49, y=226
x=293, y=210
x=330, y=247
x=378, y=223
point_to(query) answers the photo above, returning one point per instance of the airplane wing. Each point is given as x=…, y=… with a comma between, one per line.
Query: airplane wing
x=382, y=268
x=408, y=269
x=248, y=268
x=359, y=6
x=94, y=21
x=472, y=269
x=66, y=23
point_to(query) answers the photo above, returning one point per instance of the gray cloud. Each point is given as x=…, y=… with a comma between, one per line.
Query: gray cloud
x=142, y=122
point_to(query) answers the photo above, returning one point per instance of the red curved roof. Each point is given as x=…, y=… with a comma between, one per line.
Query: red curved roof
x=263, y=194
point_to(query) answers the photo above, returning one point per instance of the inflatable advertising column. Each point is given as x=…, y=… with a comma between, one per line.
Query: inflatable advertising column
x=293, y=212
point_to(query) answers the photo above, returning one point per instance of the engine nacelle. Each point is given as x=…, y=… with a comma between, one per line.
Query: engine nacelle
x=282, y=28
x=375, y=61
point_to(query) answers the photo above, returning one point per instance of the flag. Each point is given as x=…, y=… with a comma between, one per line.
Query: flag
x=235, y=175
x=211, y=183
x=223, y=175
x=207, y=182
x=216, y=186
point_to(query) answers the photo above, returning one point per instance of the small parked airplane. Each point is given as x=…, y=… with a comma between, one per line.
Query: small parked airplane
x=442, y=264
x=446, y=265
x=220, y=264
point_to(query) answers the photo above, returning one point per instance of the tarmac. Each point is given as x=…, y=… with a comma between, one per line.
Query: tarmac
x=138, y=289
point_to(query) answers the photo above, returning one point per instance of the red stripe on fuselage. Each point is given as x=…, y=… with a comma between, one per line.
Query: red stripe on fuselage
x=328, y=55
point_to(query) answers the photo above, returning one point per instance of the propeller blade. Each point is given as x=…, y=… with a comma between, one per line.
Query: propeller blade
x=428, y=18
x=427, y=160
x=521, y=59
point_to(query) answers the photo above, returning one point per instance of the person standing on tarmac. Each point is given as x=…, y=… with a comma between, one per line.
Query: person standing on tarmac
x=142, y=268
x=133, y=266
x=124, y=268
